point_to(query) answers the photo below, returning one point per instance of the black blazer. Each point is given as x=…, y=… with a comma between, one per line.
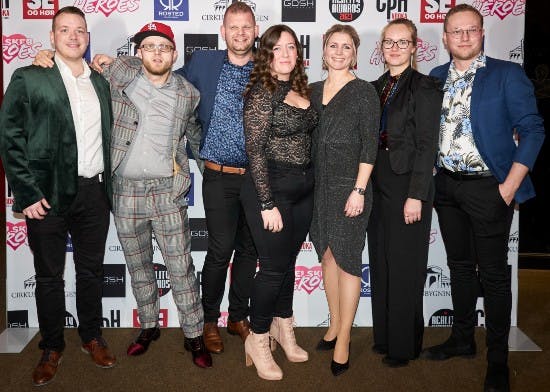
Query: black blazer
x=412, y=125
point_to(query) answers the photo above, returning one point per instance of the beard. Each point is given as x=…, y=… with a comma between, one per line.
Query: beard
x=157, y=69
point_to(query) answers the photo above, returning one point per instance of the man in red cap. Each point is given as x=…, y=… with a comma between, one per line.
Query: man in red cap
x=153, y=117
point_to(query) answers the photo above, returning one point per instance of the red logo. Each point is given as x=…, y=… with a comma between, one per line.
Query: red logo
x=107, y=7
x=308, y=279
x=434, y=11
x=40, y=9
x=377, y=58
x=425, y=51
x=222, y=320
x=500, y=8
x=16, y=234
x=163, y=318
x=17, y=45
x=307, y=246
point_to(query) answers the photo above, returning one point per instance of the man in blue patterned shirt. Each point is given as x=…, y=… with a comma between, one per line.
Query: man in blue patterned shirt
x=221, y=76
x=483, y=172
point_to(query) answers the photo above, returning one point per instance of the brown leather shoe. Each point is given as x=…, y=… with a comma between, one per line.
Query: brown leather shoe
x=44, y=372
x=100, y=353
x=241, y=328
x=212, y=338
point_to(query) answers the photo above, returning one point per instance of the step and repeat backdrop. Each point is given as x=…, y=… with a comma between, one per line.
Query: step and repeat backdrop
x=196, y=24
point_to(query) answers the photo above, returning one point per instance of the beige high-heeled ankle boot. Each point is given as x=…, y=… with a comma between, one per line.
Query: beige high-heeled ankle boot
x=256, y=348
x=282, y=331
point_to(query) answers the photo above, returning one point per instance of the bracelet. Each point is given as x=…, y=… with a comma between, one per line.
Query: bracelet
x=361, y=191
x=268, y=205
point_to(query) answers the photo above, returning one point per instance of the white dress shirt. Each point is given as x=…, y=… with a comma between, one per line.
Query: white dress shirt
x=86, y=113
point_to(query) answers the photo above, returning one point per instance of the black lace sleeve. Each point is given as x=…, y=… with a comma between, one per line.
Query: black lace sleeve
x=257, y=126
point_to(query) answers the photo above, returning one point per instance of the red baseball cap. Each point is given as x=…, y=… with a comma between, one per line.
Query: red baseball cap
x=152, y=29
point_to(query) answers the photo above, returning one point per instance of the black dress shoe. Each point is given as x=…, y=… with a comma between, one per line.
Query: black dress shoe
x=201, y=356
x=338, y=368
x=451, y=348
x=497, y=378
x=326, y=345
x=394, y=362
x=142, y=342
x=380, y=349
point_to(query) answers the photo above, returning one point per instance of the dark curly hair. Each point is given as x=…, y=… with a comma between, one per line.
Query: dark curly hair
x=264, y=56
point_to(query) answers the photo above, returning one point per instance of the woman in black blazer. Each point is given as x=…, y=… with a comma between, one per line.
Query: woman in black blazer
x=399, y=226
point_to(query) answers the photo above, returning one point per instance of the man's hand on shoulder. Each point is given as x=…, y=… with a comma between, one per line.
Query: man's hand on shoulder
x=44, y=59
x=100, y=61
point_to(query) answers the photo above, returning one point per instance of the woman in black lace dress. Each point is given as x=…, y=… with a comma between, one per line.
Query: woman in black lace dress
x=278, y=191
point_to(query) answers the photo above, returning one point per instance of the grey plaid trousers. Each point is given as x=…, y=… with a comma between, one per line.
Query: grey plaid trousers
x=140, y=208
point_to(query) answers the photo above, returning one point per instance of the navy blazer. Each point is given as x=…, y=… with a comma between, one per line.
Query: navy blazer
x=203, y=71
x=503, y=100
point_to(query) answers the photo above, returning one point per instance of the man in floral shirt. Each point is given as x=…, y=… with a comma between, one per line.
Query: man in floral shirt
x=483, y=172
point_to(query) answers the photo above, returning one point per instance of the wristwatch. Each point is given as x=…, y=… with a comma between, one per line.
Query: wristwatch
x=361, y=191
x=268, y=205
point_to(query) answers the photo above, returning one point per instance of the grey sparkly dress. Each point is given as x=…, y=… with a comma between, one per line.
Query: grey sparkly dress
x=347, y=134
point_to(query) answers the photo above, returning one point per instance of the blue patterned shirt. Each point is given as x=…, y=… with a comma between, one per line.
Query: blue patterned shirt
x=457, y=148
x=224, y=140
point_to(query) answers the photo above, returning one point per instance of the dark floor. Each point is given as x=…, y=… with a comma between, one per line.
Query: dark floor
x=167, y=367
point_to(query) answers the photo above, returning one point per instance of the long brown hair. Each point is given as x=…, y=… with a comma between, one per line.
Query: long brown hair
x=264, y=56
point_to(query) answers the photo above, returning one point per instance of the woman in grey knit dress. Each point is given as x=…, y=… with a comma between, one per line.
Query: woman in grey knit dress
x=344, y=151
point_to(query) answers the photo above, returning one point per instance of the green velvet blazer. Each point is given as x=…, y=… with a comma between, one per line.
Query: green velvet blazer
x=38, y=139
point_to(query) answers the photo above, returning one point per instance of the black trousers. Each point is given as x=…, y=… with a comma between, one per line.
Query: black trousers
x=475, y=224
x=273, y=288
x=227, y=232
x=87, y=221
x=398, y=257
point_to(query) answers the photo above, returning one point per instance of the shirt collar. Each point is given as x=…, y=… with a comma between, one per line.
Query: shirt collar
x=249, y=64
x=65, y=70
x=170, y=82
x=479, y=62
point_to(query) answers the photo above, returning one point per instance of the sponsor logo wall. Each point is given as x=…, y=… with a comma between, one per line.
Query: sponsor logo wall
x=196, y=24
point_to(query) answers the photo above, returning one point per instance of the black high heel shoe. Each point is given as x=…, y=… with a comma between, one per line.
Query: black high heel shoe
x=326, y=345
x=340, y=368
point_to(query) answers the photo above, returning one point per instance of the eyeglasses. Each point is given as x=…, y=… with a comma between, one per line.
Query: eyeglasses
x=401, y=43
x=164, y=48
x=472, y=32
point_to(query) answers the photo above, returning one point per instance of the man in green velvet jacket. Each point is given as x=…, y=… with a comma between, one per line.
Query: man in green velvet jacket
x=54, y=141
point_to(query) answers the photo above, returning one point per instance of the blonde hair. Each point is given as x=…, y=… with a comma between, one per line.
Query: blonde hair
x=345, y=29
x=414, y=35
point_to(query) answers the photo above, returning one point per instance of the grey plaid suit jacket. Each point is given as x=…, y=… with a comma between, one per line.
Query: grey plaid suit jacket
x=126, y=119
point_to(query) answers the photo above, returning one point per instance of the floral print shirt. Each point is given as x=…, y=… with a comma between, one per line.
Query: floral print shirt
x=457, y=149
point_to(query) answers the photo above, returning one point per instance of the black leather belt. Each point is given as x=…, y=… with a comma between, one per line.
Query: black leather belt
x=97, y=179
x=467, y=176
